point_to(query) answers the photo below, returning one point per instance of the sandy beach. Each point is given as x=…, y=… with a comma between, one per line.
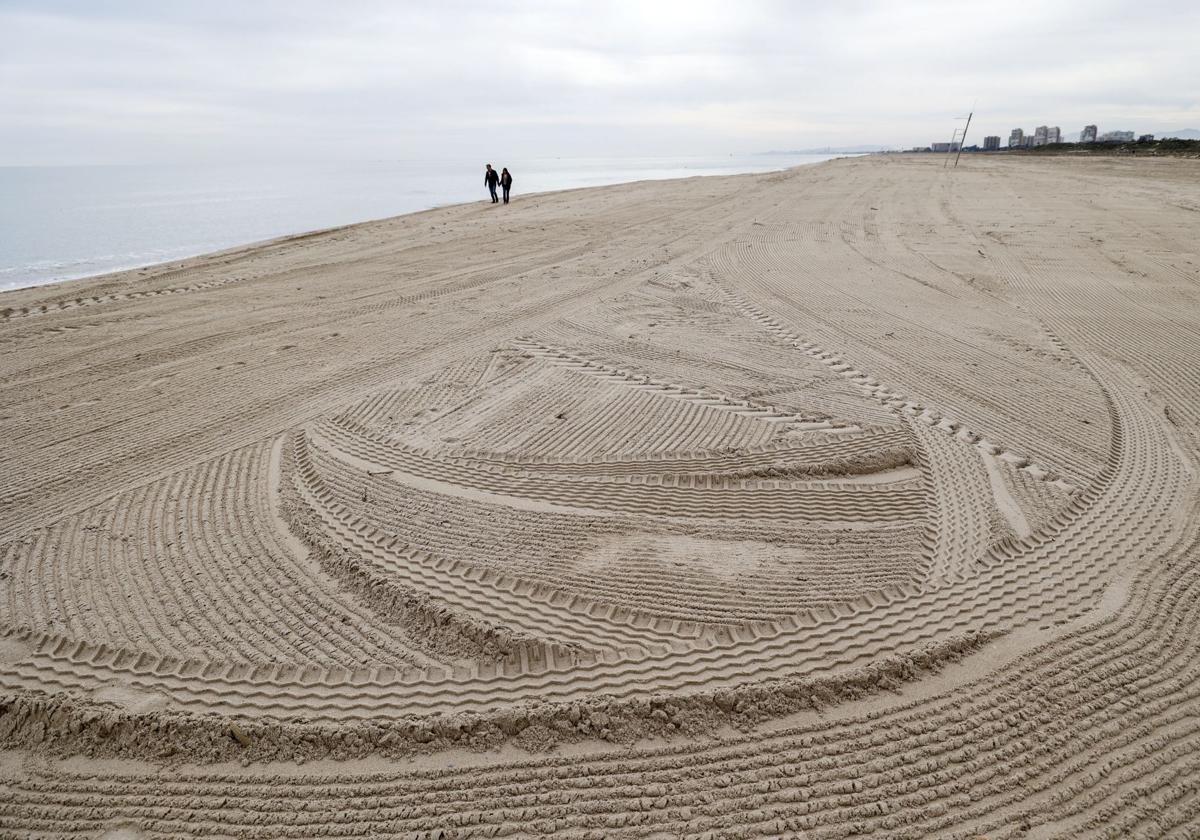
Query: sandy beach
x=856, y=499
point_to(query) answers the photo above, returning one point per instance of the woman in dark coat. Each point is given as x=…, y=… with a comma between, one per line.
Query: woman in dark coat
x=505, y=182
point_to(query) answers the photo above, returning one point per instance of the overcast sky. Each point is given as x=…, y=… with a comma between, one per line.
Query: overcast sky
x=159, y=81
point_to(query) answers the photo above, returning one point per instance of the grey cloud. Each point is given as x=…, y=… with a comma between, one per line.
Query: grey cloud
x=136, y=81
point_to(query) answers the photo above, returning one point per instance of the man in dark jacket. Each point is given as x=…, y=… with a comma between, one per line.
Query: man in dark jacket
x=491, y=179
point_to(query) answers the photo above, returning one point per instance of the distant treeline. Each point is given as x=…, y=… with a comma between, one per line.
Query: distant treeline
x=1172, y=147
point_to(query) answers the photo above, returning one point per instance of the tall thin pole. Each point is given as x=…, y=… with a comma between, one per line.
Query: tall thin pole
x=963, y=142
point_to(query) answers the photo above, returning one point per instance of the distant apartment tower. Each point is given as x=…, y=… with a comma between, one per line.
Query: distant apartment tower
x=1088, y=135
x=1145, y=138
x=991, y=143
x=945, y=147
x=1116, y=137
x=1016, y=139
x=1039, y=135
x=1053, y=135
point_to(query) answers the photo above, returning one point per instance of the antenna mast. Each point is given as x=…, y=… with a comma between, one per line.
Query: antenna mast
x=963, y=142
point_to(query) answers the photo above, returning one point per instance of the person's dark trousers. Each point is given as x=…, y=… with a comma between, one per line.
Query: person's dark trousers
x=494, y=199
x=506, y=195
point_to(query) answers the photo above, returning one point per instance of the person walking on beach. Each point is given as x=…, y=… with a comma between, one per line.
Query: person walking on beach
x=490, y=179
x=505, y=182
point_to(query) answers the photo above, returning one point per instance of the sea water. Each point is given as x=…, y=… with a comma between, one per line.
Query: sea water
x=59, y=223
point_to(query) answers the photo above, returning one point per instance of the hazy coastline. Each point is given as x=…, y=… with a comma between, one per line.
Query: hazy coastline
x=65, y=223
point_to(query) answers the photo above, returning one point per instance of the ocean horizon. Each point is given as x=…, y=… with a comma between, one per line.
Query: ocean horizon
x=62, y=223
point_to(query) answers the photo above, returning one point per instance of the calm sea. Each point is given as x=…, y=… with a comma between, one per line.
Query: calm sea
x=59, y=223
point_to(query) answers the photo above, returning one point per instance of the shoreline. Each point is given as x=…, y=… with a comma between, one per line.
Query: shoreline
x=232, y=246
x=248, y=249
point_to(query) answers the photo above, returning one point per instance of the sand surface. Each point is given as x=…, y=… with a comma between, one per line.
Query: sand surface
x=859, y=499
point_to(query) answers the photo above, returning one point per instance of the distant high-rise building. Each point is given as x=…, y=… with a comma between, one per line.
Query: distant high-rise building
x=945, y=147
x=1116, y=137
x=1053, y=134
x=1039, y=135
x=1088, y=135
x=1017, y=138
x=1145, y=138
x=991, y=143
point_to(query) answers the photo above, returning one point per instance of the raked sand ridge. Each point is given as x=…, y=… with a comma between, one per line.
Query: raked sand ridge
x=854, y=500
